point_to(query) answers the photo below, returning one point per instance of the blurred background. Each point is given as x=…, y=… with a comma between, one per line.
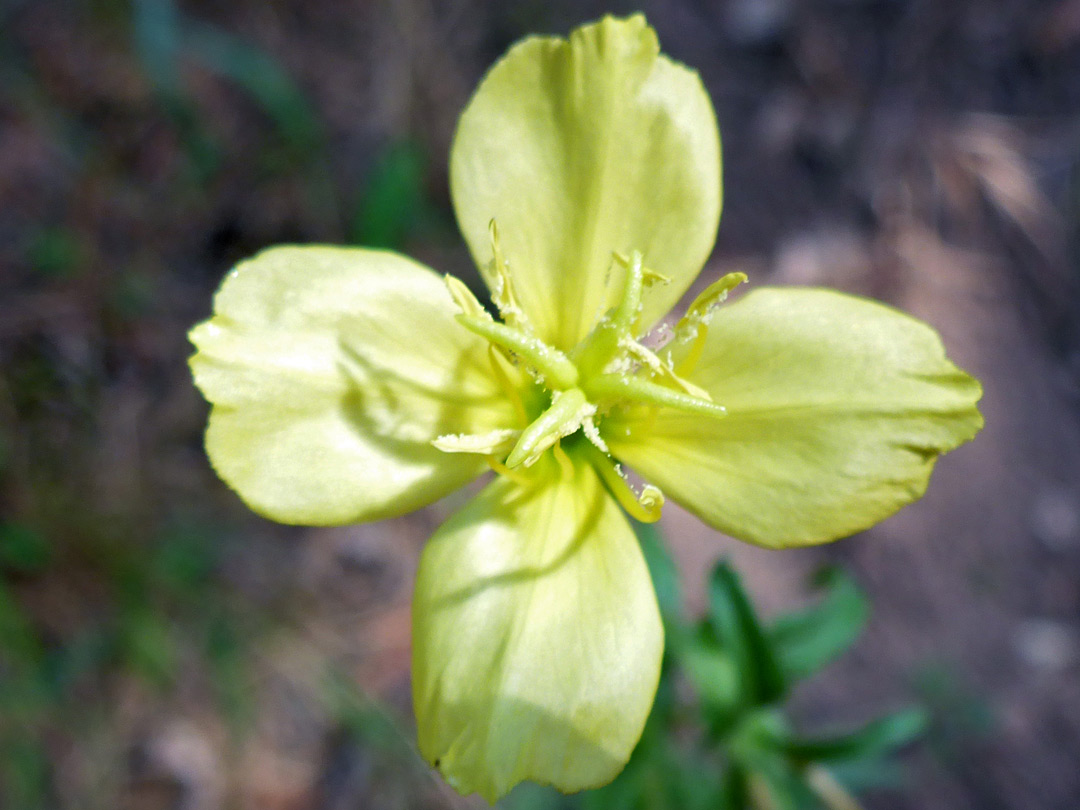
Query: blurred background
x=162, y=647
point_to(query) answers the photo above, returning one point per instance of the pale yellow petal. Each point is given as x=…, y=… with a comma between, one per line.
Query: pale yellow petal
x=330, y=371
x=580, y=148
x=837, y=409
x=536, y=636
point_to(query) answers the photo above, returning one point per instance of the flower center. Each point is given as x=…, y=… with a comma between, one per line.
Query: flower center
x=609, y=368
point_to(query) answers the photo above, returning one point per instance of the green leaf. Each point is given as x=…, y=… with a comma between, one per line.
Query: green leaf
x=960, y=713
x=530, y=796
x=157, y=38
x=784, y=784
x=741, y=636
x=663, y=774
x=24, y=772
x=733, y=795
x=22, y=549
x=261, y=76
x=18, y=639
x=858, y=775
x=226, y=656
x=807, y=641
x=150, y=647
x=715, y=676
x=394, y=198
x=55, y=252
x=184, y=559
x=156, y=33
x=877, y=738
x=773, y=780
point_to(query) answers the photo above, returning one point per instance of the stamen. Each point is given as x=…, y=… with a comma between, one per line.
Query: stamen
x=565, y=464
x=502, y=286
x=711, y=297
x=556, y=368
x=635, y=389
x=599, y=349
x=514, y=475
x=694, y=325
x=630, y=305
x=564, y=416
x=645, y=507
x=508, y=388
x=664, y=370
x=464, y=298
x=637, y=279
x=650, y=277
x=601, y=346
x=644, y=355
x=689, y=363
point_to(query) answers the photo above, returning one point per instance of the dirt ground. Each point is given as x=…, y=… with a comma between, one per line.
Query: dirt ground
x=162, y=647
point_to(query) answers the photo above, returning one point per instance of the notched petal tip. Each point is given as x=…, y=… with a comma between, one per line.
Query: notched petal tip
x=613, y=37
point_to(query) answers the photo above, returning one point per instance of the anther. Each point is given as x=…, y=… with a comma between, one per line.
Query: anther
x=603, y=344
x=645, y=506
x=502, y=286
x=464, y=298
x=694, y=325
x=663, y=369
x=553, y=365
x=496, y=358
x=616, y=387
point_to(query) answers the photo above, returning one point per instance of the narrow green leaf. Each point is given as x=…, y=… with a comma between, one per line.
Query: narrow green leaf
x=783, y=786
x=741, y=635
x=24, y=772
x=733, y=795
x=55, y=252
x=393, y=199
x=716, y=678
x=22, y=549
x=18, y=638
x=880, y=737
x=859, y=775
x=149, y=647
x=807, y=641
x=156, y=34
x=261, y=76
